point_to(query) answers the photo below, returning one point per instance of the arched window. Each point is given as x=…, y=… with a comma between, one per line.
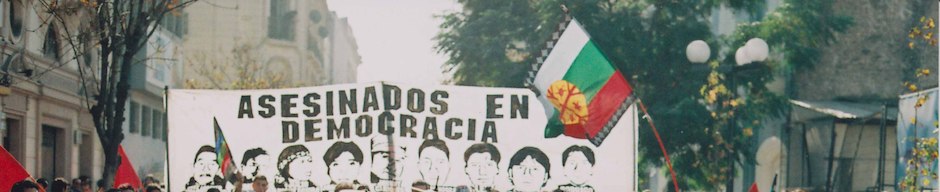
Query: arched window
x=50, y=46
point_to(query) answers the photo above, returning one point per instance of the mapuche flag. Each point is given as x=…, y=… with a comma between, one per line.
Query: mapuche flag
x=583, y=94
x=224, y=154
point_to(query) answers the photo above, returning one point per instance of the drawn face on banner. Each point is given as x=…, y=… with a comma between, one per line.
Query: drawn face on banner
x=205, y=168
x=579, y=164
x=254, y=162
x=343, y=160
x=481, y=169
x=529, y=169
x=482, y=165
x=433, y=158
x=302, y=168
x=295, y=164
x=381, y=158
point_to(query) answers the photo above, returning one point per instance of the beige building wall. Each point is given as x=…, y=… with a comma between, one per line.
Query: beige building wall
x=47, y=98
x=215, y=28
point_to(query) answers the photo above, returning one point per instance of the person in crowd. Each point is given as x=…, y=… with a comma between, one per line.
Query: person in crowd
x=25, y=185
x=260, y=184
x=152, y=188
x=59, y=185
x=482, y=165
x=529, y=170
x=100, y=184
x=205, y=171
x=151, y=180
x=433, y=162
x=295, y=169
x=420, y=186
x=43, y=182
x=578, y=162
x=86, y=183
x=125, y=188
x=76, y=185
x=343, y=160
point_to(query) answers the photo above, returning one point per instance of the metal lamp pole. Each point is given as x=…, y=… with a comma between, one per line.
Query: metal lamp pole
x=755, y=50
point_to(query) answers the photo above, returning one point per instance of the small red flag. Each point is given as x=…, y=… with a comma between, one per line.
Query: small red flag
x=125, y=173
x=753, y=188
x=12, y=170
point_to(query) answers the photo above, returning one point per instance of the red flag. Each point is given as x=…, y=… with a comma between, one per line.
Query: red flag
x=753, y=188
x=12, y=170
x=125, y=173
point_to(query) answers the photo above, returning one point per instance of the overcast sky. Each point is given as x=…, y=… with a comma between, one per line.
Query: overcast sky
x=395, y=38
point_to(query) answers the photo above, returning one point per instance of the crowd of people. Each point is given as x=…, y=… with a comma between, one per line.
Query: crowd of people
x=80, y=184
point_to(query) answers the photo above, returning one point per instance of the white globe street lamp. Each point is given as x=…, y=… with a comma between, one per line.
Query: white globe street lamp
x=698, y=51
x=741, y=57
x=757, y=49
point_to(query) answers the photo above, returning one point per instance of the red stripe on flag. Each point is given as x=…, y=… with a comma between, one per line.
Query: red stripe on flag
x=605, y=103
x=576, y=131
x=10, y=170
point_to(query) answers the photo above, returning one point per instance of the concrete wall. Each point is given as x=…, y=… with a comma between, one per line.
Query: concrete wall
x=872, y=59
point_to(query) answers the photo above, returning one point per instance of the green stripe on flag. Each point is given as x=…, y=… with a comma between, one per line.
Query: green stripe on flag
x=590, y=70
x=554, y=128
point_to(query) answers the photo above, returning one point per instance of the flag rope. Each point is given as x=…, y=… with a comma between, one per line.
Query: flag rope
x=675, y=183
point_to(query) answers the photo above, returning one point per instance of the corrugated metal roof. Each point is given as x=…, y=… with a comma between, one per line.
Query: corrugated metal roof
x=842, y=110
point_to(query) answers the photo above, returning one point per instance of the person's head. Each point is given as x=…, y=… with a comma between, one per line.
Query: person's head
x=152, y=188
x=342, y=161
x=59, y=185
x=43, y=182
x=149, y=180
x=295, y=162
x=578, y=162
x=482, y=163
x=125, y=188
x=529, y=169
x=76, y=183
x=420, y=186
x=260, y=184
x=254, y=162
x=205, y=166
x=382, y=158
x=86, y=183
x=343, y=187
x=25, y=186
x=100, y=184
x=433, y=157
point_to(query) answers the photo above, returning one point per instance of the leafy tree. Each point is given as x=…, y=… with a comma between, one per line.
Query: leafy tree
x=114, y=31
x=493, y=43
x=242, y=69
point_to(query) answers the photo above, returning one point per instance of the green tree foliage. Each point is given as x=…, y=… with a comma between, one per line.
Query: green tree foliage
x=493, y=43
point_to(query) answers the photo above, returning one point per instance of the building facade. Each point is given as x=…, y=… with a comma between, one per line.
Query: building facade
x=289, y=39
x=46, y=124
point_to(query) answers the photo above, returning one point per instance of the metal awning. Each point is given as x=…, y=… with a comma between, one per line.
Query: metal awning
x=809, y=110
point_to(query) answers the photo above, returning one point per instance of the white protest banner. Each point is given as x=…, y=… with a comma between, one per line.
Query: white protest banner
x=388, y=137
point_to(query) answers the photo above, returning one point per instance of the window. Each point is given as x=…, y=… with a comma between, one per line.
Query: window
x=164, y=127
x=16, y=17
x=157, y=124
x=281, y=20
x=134, y=117
x=50, y=46
x=145, y=124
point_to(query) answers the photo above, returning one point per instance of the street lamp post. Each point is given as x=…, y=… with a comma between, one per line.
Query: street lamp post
x=755, y=50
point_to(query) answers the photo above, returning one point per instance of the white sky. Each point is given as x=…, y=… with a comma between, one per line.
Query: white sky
x=395, y=38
